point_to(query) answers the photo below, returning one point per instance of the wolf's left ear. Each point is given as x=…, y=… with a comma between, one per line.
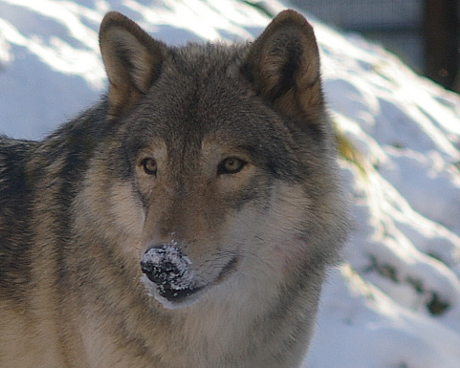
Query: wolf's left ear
x=132, y=61
x=283, y=66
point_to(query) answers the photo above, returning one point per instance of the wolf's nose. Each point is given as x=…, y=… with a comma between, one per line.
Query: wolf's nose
x=166, y=265
x=170, y=270
x=160, y=267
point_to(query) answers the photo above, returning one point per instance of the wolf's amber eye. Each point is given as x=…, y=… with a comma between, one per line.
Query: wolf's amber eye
x=230, y=165
x=150, y=166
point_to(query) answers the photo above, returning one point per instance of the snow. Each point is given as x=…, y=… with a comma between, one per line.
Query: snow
x=168, y=267
x=168, y=274
x=395, y=301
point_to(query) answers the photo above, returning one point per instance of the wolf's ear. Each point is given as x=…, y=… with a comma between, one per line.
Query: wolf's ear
x=283, y=66
x=132, y=61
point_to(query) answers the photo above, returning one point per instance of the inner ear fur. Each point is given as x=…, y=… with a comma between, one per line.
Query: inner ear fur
x=284, y=68
x=132, y=60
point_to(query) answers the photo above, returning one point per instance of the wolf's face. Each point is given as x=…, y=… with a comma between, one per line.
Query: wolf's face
x=216, y=158
x=217, y=182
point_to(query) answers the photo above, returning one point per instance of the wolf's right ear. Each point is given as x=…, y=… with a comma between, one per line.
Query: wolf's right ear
x=132, y=61
x=283, y=67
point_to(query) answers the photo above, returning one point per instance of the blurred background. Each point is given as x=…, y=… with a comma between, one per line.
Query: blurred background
x=423, y=33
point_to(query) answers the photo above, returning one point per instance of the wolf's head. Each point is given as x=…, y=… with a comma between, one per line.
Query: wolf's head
x=219, y=168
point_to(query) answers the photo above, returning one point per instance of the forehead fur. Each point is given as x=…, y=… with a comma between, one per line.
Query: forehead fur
x=209, y=58
x=201, y=90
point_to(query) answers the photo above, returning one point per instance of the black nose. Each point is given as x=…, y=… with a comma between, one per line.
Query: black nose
x=161, y=271
x=170, y=270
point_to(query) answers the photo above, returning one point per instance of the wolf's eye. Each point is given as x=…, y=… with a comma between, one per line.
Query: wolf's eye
x=150, y=166
x=230, y=165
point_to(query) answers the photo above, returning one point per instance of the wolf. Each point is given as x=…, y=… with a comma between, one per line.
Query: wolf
x=188, y=219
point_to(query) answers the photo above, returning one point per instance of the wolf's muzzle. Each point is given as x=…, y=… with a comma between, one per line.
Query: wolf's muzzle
x=170, y=270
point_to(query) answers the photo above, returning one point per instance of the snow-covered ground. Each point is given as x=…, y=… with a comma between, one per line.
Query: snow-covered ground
x=395, y=302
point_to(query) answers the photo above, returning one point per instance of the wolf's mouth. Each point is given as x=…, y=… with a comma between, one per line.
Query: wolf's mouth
x=173, y=280
x=174, y=295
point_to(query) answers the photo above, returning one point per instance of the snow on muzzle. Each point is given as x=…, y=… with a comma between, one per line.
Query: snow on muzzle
x=172, y=279
x=171, y=273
